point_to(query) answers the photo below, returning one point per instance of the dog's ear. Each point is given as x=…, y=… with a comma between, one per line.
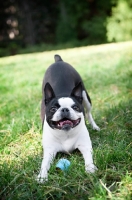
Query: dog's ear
x=48, y=93
x=77, y=92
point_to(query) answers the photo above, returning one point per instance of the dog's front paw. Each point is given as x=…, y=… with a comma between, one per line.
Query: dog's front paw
x=42, y=177
x=91, y=168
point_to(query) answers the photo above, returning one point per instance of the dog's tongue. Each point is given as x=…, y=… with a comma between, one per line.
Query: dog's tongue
x=66, y=122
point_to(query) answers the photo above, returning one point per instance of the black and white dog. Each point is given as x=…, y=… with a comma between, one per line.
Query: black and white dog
x=62, y=113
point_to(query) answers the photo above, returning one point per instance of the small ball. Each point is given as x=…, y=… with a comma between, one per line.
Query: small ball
x=63, y=164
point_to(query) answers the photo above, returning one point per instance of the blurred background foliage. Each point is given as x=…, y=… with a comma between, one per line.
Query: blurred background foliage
x=119, y=24
x=44, y=25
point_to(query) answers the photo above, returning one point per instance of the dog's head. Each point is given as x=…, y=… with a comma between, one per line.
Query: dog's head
x=63, y=113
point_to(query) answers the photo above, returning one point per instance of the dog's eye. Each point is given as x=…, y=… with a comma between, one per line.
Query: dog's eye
x=53, y=109
x=75, y=107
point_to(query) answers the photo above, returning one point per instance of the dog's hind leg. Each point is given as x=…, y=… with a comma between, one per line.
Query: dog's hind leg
x=87, y=105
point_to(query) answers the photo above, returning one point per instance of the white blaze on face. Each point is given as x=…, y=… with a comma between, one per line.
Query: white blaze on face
x=66, y=102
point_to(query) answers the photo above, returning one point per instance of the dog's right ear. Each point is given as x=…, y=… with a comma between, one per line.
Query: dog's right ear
x=48, y=93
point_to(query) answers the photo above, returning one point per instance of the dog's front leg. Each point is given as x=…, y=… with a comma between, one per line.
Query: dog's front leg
x=87, y=155
x=49, y=154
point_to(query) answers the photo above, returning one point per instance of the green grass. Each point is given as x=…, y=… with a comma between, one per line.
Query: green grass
x=107, y=74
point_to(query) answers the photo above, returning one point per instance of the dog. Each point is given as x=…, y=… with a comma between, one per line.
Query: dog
x=64, y=105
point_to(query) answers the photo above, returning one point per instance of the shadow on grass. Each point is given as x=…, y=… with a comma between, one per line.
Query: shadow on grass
x=113, y=147
x=19, y=182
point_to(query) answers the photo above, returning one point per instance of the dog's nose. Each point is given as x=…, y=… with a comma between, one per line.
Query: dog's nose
x=65, y=110
x=65, y=113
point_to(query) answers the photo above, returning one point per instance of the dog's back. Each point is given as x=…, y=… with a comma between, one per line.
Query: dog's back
x=62, y=77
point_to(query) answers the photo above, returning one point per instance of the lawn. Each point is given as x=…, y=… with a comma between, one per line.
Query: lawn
x=107, y=74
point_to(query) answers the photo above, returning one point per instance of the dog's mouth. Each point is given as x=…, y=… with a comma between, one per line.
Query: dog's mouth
x=65, y=124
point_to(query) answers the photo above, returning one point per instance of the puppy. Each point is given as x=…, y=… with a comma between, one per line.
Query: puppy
x=62, y=113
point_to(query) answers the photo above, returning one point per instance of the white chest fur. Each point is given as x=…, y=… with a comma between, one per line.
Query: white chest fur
x=61, y=140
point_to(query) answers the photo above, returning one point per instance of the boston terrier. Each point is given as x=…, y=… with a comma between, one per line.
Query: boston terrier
x=64, y=105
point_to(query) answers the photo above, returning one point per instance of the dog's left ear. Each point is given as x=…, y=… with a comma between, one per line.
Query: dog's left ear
x=77, y=92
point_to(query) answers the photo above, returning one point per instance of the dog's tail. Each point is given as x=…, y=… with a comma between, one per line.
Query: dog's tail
x=57, y=58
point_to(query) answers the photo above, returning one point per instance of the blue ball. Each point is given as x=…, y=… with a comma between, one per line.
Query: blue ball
x=63, y=164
